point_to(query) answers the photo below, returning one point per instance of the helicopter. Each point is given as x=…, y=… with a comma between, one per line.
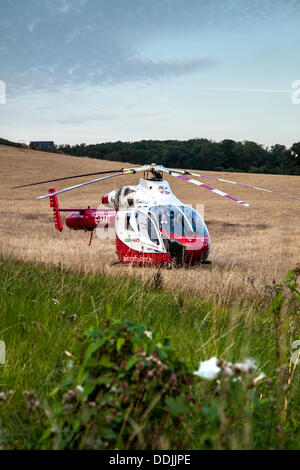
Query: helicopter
x=151, y=225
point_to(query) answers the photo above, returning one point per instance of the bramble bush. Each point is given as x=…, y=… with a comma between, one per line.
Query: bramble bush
x=128, y=390
x=125, y=390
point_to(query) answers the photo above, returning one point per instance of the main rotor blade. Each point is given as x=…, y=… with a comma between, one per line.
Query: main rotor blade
x=78, y=186
x=203, y=185
x=124, y=172
x=67, y=178
x=234, y=182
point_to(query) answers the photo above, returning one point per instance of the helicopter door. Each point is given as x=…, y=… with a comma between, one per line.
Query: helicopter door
x=149, y=236
x=132, y=222
x=139, y=232
x=130, y=233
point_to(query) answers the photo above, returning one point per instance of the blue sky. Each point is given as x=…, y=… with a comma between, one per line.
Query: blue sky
x=106, y=70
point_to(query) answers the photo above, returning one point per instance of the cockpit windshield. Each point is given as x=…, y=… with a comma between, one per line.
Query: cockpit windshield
x=179, y=220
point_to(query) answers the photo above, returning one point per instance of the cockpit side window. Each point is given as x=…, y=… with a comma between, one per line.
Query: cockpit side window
x=152, y=232
x=146, y=227
x=179, y=220
x=127, y=223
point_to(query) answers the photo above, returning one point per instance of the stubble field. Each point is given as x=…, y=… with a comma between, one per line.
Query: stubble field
x=249, y=246
x=218, y=311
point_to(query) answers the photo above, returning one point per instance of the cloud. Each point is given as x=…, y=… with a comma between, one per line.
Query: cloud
x=246, y=90
x=166, y=68
x=49, y=44
x=64, y=7
x=87, y=72
x=81, y=119
x=85, y=118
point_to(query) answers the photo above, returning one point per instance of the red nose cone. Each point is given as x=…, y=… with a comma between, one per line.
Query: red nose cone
x=105, y=199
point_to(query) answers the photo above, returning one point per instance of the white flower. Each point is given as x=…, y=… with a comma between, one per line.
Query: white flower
x=246, y=367
x=227, y=371
x=67, y=353
x=237, y=379
x=149, y=334
x=209, y=369
x=258, y=379
x=55, y=301
x=78, y=389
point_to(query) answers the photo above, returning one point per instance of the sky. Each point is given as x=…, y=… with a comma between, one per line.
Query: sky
x=91, y=71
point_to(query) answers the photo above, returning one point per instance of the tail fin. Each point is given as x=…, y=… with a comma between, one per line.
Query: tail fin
x=56, y=215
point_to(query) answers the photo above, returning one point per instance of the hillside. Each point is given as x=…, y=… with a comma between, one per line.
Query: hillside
x=257, y=243
x=143, y=333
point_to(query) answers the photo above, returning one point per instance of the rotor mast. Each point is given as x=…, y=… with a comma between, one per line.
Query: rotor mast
x=153, y=173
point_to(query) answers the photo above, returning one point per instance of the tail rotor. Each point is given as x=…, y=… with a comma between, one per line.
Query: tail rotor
x=56, y=215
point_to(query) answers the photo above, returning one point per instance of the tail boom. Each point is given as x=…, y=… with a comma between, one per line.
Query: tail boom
x=81, y=219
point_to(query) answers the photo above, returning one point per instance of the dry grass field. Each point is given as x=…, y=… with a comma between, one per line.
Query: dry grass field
x=249, y=246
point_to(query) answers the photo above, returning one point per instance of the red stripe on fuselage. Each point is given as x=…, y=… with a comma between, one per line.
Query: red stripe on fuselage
x=193, y=242
x=129, y=256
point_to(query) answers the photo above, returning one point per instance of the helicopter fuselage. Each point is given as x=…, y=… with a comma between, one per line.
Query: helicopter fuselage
x=154, y=227
x=151, y=225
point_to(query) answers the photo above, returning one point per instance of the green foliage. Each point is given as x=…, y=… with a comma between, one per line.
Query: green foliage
x=125, y=390
x=201, y=154
x=137, y=392
x=9, y=143
x=285, y=310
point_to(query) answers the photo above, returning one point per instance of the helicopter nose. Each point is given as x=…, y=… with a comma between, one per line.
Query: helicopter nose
x=193, y=250
x=196, y=256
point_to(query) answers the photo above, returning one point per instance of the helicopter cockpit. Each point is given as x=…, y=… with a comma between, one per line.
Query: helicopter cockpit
x=178, y=220
x=177, y=230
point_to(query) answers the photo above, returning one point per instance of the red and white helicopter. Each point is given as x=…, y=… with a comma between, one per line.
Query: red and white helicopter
x=152, y=226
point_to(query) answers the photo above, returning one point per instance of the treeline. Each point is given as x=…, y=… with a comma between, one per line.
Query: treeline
x=9, y=143
x=200, y=154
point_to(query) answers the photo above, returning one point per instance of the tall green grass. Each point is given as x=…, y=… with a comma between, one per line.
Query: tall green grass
x=43, y=309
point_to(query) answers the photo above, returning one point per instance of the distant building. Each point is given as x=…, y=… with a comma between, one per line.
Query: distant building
x=45, y=146
x=41, y=145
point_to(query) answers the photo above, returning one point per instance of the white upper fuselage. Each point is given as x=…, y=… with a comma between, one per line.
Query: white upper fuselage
x=139, y=216
x=139, y=198
x=147, y=193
